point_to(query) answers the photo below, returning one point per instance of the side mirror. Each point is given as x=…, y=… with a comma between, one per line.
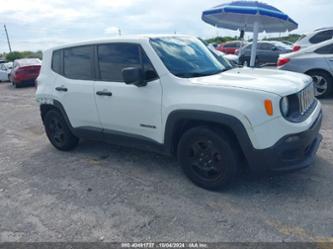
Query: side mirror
x=134, y=76
x=275, y=49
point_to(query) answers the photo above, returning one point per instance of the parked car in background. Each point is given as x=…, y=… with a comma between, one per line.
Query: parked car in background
x=5, y=70
x=229, y=47
x=25, y=72
x=267, y=53
x=231, y=59
x=317, y=62
x=315, y=37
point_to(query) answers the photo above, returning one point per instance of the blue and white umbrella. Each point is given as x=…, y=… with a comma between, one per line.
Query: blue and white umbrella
x=250, y=16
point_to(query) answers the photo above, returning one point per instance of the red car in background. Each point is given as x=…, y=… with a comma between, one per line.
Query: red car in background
x=25, y=72
x=229, y=47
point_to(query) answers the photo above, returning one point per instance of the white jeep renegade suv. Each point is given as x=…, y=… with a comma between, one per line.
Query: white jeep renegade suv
x=172, y=95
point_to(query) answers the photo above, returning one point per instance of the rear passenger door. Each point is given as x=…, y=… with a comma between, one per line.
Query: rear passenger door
x=74, y=85
x=326, y=53
x=128, y=109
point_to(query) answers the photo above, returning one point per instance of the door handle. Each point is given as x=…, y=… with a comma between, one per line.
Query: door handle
x=61, y=89
x=104, y=93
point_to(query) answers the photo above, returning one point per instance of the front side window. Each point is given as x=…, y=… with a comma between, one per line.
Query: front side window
x=114, y=57
x=265, y=46
x=148, y=68
x=186, y=57
x=78, y=63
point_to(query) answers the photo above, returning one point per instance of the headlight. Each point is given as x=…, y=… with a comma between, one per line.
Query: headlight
x=284, y=106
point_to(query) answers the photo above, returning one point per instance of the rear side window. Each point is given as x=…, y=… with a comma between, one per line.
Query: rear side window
x=325, y=50
x=322, y=36
x=56, y=61
x=114, y=57
x=78, y=63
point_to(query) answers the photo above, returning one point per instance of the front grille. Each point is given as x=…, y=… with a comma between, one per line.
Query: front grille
x=306, y=98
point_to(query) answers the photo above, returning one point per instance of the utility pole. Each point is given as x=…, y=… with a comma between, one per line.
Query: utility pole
x=10, y=48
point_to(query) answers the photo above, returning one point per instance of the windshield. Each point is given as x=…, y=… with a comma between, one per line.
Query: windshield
x=186, y=57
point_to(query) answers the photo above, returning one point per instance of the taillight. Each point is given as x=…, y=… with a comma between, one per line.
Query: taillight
x=20, y=71
x=296, y=48
x=28, y=70
x=282, y=61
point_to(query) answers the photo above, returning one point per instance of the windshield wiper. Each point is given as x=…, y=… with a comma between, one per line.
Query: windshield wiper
x=197, y=74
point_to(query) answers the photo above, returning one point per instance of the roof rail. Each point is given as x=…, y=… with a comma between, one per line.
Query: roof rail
x=324, y=28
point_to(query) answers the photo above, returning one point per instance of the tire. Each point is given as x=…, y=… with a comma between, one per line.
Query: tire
x=58, y=131
x=243, y=61
x=323, y=83
x=208, y=157
x=14, y=84
x=247, y=62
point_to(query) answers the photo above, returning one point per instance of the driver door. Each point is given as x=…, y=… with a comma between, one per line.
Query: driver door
x=127, y=108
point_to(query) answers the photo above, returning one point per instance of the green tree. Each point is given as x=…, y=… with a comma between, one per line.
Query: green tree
x=24, y=54
x=219, y=39
x=13, y=56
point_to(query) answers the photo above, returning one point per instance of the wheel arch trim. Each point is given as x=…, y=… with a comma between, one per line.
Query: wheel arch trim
x=319, y=69
x=58, y=106
x=233, y=123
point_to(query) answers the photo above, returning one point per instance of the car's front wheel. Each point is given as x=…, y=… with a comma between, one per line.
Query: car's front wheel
x=58, y=131
x=208, y=157
x=323, y=83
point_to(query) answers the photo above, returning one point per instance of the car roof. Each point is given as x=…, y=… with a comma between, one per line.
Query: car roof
x=125, y=38
x=28, y=61
x=271, y=42
x=324, y=28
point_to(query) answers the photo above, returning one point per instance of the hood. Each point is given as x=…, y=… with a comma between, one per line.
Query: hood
x=274, y=81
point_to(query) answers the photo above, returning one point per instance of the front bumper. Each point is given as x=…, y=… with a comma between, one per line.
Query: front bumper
x=290, y=153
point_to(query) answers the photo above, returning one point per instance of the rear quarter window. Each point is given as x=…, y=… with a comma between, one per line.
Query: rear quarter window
x=56, y=61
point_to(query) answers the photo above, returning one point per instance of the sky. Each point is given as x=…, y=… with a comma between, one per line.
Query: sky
x=40, y=24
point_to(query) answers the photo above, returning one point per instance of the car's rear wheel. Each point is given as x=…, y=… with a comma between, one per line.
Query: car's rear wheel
x=208, y=157
x=58, y=131
x=323, y=83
